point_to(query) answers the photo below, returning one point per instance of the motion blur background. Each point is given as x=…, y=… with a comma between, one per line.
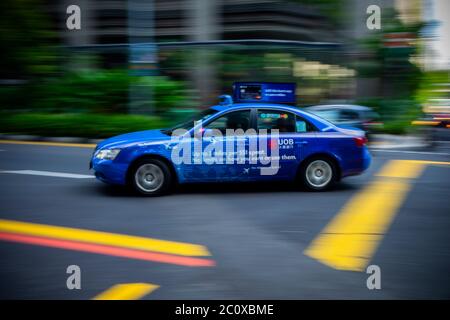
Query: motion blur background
x=143, y=64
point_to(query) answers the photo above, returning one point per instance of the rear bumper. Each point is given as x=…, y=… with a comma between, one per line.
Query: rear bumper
x=366, y=160
x=358, y=166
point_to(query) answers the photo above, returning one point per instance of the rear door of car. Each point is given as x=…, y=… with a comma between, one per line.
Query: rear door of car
x=295, y=137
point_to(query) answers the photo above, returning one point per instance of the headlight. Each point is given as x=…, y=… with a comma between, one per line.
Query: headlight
x=107, y=154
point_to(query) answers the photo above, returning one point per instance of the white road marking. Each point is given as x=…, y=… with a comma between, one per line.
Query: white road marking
x=413, y=152
x=49, y=174
x=292, y=231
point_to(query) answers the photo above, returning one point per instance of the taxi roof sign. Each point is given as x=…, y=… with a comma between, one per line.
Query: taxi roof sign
x=283, y=93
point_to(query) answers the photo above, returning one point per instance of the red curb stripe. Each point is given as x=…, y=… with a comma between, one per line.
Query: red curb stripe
x=108, y=250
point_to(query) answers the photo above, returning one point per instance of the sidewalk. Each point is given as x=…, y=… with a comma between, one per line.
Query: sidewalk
x=390, y=141
x=49, y=139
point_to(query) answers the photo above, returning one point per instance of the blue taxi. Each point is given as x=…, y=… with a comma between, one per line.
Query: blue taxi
x=236, y=141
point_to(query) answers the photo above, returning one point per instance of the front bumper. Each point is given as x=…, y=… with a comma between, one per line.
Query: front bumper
x=109, y=171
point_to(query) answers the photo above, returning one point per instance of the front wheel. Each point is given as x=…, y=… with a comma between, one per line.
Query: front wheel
x=319, y=174
x=150, y=177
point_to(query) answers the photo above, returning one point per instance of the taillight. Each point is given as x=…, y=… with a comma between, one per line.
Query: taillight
x=360, y=141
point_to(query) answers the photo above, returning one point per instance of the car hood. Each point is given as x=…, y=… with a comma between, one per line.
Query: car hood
x=133, y=138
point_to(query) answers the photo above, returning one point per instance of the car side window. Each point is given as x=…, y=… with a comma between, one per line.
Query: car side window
x=349, y=115
x=232, y=120
x=301, y=125
x=276, y=119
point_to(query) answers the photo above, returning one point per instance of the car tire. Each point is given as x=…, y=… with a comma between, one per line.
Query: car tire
x=318, y=174
x=150, y=177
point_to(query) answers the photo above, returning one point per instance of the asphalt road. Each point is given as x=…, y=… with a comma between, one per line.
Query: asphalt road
x=256, y=234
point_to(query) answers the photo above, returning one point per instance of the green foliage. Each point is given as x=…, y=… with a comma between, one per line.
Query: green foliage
x=397, y=102
x=77, y=125
x=430, y=82
x=94, y=91
x=27, y=42
x=167, y=94
x=396, y=114
x=13, y=96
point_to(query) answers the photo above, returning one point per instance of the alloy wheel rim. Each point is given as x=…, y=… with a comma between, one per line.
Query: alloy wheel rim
x=149, y=177
x=319, y=173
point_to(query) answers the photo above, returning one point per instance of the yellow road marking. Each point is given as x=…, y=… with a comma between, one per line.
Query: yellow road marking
x=104, y=238
x=349, y=241
x=444, y=163
x=401, y=169
x=53, y=144
x=425, y=123
x=351, y=238
x=127, y=291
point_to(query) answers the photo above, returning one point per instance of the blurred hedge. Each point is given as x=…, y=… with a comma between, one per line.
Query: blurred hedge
x=93, y=91
x=77, y=125
x=396, y=114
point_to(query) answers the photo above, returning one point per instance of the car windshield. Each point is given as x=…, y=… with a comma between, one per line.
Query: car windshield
x=189, y=123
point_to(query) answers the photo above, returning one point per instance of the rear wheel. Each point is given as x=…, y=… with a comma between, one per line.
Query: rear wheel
x=150, y=177
x=319, y=174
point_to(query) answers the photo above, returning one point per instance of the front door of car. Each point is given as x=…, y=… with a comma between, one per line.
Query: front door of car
x=219, y=158
x=227, y=138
